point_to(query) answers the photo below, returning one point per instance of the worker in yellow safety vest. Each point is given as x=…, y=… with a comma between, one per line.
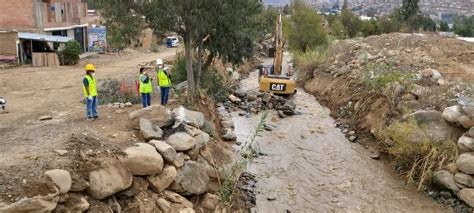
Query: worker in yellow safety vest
x=90, y=92
x=163, y=81
x=146, y=87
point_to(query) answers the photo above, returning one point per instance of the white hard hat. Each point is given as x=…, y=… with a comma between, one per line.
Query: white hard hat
x=159, y=61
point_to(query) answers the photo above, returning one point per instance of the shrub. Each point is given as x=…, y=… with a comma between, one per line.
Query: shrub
x=179, y=73
x=306, y=62
x=417, y=160
x=111, y=91
x=70, y=54
x=214, y=85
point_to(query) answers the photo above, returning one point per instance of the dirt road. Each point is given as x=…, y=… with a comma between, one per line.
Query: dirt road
x=309, y=166
x=32, y=92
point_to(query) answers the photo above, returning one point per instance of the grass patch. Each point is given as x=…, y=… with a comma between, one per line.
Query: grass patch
x=230, y=177
x=417, y=160
x=112, y=90
x=306, y=62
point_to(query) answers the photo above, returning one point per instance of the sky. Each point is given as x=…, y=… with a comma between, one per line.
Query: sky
x=276, y=2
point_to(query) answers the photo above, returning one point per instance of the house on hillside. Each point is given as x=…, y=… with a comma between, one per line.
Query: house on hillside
x=40, y=26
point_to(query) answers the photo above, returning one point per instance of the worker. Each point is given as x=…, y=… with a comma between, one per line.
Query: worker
x=90, y=92
x=163, y=81
x=146, y=87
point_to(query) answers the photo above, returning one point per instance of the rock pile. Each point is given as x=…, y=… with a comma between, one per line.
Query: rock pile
x=254, y=102
x=151, y=176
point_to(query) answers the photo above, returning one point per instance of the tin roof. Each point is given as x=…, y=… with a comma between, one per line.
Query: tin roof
x=43, y=37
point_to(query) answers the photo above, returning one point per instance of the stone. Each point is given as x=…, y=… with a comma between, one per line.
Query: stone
x=192, y=179
x=35, y=204
x=143, y=202
x=182, y=86
x=78, y=184
x=187, y=210
x=210, y=201
x=109, y=180
x=228, y=135
x=201, y=140
x=176, y=198
x=164, y=205
x=471, y=132
x=281, y=114
x=179, y=160
x=61, y=152
x=352, y=133
x=61, y=178
x=139, y=184
x=157, y=114
x=227, y=124
x=122, y=105
x=100, y=207
x=183, y=115
x=445, y=180
x=467, y=195
x=352, y=138
x=162, y=181
x=452, y=113
x=128, y=104
x=465, y=180
x=45, y=118
x=252, y=97
x=165, y=150
x=149, y=131
x=466, y=121
x=181, y=141
x=465, y=163
x=466, y=143
x=432, y=128
x=234, y=99
x=192, y=131
x=142, y=159
x=76, y=203
x=289, y=108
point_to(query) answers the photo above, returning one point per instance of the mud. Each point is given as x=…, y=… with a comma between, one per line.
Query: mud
x=307, y=165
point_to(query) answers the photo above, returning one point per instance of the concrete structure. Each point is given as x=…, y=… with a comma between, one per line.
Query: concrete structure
x=66, y=18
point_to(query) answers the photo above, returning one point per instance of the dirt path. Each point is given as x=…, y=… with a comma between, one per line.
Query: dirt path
x=309, y=166
x=32, y=92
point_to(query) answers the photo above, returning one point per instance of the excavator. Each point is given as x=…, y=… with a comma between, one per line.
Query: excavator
x=270, y=77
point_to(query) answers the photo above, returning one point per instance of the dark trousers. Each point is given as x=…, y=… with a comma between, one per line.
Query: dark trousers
x=165, y=91
x=146, y=99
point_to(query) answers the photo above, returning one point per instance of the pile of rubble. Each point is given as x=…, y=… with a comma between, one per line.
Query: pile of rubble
x=165, y=172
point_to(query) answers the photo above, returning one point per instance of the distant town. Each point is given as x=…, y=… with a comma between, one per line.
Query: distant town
x=439, y=10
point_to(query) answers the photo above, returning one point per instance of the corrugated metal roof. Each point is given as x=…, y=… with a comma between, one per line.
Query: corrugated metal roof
x=43, y=37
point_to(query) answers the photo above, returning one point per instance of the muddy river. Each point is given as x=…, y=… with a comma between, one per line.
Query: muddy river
x=309, y=166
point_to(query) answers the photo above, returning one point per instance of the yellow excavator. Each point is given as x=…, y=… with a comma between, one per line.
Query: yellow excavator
x=270, y=77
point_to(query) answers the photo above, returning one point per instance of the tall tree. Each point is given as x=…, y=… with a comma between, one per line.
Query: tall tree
x=409, y=9
x=350, y=22
x=304, y=28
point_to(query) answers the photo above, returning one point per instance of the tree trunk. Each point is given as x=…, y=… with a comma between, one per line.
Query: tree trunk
x=199, y=65
x=189, y=64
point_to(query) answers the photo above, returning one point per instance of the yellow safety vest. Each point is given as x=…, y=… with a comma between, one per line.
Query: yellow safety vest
x=163, y=79
x=145, y=87
x=92, y=87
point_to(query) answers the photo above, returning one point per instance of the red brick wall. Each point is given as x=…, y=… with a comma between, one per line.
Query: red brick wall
x=16, y=14
x=8, y=43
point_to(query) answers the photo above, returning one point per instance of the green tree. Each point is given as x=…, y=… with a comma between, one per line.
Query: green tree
x=70, y=54
x=286, y=10
x=388, y=25
x=409, y=10
x=221, y=28
x=304, y=28
x=428, y=24
x=368, y=28
x=337, y=29
x=464, y=26
x=443, y=27
x=350, y=22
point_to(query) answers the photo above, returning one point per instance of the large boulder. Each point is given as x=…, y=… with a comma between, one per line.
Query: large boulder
x=455, y=114
x=35, y=204
x=432, y=127
x=157, y=114
x=467, y=181
x=76, y=203
x=228, y=135
x=149, y=131
x=210, y=201
x=143, y=159
x=109, y=180
x=467, y=195
x=445, y=180
x=165, y=150
x=193, y=118
x=201, y=139
x=192, y=179
x=466, y=143
x=162, y=181
x=143, y=202
x=471, y=132
x=61, y=178
x=465, y=163
x=181, y=141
